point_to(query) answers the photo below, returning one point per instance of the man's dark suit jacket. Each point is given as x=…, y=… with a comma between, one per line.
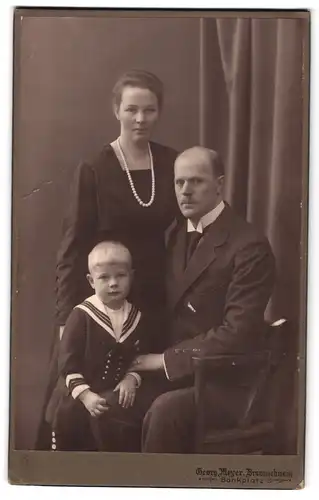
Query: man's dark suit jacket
x=217, y=303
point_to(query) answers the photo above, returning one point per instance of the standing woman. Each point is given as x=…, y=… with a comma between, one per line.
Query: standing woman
x=127, y=194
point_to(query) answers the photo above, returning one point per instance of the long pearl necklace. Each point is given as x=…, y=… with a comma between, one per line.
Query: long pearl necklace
x=136, y=196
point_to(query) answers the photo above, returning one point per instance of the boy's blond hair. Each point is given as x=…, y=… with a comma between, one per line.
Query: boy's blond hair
x=112, y=252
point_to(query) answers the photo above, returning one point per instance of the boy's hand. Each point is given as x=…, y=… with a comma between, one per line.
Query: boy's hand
x=94, y=404
x=127, y=390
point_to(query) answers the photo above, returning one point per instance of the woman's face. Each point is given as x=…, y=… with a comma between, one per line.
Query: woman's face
x=137, y=113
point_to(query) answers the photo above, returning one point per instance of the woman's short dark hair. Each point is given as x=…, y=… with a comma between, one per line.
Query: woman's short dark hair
x=140, y=79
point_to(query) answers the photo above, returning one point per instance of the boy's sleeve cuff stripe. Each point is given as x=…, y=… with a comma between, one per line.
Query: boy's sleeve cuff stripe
x=73, y=376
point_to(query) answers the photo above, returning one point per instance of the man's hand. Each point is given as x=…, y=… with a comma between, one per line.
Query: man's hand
x=94, y=404
x=127, y=390
x=148, y=362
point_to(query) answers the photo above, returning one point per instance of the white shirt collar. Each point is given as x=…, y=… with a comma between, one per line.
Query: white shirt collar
x=122, y=313
x=207, y=219
x=118, y=317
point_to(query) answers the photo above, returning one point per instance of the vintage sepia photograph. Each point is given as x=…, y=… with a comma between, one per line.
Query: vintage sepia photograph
x=159, y=247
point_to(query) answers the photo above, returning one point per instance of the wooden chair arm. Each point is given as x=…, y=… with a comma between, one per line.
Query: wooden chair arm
x=229, y=390
x=228, y=385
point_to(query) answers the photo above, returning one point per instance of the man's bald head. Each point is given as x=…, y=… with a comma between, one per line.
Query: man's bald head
x=199, y=154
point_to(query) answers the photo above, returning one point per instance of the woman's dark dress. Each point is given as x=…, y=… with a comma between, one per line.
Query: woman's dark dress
x=102, y=206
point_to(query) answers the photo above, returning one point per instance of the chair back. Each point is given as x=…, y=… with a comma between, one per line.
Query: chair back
x=229, y=383
x=230, y=388
x=276, y=402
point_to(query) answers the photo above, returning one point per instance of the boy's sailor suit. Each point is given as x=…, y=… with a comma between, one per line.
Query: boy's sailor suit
x=96, y=350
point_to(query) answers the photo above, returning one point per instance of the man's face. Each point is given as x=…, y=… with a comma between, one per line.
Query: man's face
x=197, y=189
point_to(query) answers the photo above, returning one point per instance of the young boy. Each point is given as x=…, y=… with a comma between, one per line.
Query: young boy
x=101, y=338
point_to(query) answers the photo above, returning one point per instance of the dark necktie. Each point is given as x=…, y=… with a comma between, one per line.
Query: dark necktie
x=193, y=239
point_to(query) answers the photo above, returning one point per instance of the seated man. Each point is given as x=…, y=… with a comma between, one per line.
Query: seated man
x=220, y=277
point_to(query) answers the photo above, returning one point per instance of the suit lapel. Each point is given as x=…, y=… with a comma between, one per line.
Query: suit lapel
x=215, y=235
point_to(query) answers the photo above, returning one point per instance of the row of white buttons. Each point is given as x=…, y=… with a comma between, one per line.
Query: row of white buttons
x=53, y=445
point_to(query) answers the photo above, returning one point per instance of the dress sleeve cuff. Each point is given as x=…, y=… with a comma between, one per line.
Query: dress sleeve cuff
x=137, y=376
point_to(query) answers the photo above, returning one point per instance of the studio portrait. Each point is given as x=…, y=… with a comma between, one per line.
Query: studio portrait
x=159, y=237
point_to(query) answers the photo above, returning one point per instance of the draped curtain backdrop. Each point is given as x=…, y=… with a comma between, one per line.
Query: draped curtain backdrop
x=251, y=111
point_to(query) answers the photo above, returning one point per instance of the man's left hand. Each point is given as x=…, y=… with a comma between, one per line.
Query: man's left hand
x=148, y=362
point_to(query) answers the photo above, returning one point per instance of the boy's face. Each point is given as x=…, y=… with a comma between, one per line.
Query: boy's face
x=111, y=282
